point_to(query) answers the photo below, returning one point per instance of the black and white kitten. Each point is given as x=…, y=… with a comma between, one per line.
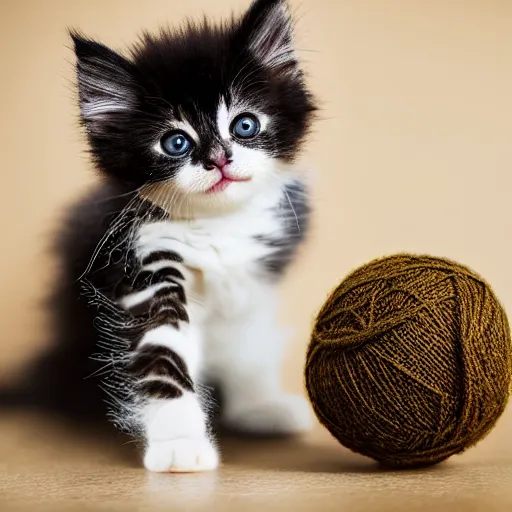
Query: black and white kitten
x=170, y=266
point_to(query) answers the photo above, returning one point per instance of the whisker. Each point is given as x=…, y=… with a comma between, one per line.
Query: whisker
x=293, y=209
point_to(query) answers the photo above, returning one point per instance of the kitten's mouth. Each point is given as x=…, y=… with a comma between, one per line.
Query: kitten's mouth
x=224, y=182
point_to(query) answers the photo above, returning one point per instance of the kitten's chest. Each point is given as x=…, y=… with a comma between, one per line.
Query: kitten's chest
x=232, y=270
x=226, y=255
x=231, y=245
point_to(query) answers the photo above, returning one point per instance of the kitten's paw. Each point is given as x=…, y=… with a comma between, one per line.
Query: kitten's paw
x=284, y=415
x=186, y=455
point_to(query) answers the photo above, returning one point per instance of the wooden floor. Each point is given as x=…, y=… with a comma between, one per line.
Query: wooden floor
x=44, y=467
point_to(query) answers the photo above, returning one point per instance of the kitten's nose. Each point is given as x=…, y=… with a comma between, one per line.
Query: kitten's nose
x=218, y=162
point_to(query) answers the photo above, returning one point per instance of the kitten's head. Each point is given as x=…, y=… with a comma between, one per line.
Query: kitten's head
x=205, y=116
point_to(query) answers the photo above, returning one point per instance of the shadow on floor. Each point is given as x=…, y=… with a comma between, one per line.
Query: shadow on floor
x=103, y=442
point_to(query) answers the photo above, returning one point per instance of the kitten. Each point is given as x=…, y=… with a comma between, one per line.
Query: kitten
x=169, y=267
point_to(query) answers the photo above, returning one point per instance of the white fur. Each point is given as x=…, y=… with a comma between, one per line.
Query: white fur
x=181, y=455
x=233, y=336
x=132, y=300
x=171, y=419
x=223, y=121
x=176, y=435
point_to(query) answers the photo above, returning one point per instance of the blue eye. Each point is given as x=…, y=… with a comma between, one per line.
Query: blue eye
x=245, y=126
x=175, y=143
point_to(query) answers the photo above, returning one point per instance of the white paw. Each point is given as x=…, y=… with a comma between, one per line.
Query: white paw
x=162, y=236
x=284, y=415
x=186, y=455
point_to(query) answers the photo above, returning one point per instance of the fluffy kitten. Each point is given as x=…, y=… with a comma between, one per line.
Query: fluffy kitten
x=169, y=268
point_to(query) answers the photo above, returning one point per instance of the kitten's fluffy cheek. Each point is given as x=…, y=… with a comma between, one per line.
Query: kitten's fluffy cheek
x=251, y=163
x=194, y=178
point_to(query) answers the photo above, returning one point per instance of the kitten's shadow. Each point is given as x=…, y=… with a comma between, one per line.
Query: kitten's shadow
x=302, y=455
x=98, y=439
x=104, y=438
x=291, y=454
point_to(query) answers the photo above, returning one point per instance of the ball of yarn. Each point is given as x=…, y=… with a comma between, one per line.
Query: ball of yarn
x=410, y=360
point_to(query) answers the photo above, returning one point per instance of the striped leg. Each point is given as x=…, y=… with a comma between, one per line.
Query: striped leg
x=164, y=364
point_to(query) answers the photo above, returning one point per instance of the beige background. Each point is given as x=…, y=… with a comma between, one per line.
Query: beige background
x=412, y=152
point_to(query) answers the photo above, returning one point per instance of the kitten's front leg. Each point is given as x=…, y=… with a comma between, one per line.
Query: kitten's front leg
x=249, y=370
x=176, y=431
x=164, y=365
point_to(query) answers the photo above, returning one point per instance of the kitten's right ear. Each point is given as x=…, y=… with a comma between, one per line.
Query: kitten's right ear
x=268, y=29
x=106, y=83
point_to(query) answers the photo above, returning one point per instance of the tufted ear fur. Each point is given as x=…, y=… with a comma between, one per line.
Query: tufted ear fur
x=269, y=33
x=106, y=83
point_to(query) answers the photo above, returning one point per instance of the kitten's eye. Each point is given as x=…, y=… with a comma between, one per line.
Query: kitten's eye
x=245, y=126
x=175, y=143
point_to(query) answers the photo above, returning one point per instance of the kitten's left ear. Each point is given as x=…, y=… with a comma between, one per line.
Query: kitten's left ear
x=106, y=82
x=268, y=30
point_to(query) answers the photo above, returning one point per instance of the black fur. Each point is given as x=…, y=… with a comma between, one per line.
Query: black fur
x=187, y=72
x=161, y=362
x=161, y=389
x=61, y=379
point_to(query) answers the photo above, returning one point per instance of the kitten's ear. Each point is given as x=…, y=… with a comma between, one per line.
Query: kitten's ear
x=268, y=29
x=106, y=83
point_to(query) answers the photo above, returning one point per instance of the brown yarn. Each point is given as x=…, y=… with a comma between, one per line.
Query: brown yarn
x=410, y=360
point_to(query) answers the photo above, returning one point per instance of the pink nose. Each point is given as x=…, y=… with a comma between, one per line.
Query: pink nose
x=218, y=162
